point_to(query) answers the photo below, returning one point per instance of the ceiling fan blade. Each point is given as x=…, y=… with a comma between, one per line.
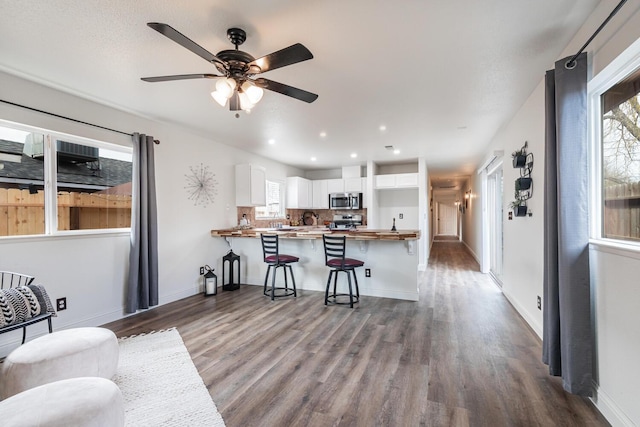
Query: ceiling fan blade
x=291, y=91
x=180, y=77
x=287, y=56
x=184, y=41
x=234, y=102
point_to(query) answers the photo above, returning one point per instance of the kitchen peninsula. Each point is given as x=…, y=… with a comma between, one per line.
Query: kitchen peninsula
x=391, y=257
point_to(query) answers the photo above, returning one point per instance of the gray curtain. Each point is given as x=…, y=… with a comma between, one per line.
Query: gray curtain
x=142, y=286
x=567, y=339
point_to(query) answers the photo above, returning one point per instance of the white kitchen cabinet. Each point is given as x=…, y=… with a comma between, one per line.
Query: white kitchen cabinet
x=353, y=185
x=320, y=194
x=251, y=185
x=398, y=180
x=385, y=181
x=407, y=180
x=299, y=193
x=335, y=185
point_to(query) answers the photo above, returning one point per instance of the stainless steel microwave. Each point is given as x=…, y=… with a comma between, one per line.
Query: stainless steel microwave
x=345, y=201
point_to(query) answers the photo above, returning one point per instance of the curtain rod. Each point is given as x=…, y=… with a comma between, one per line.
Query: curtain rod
x=572, y=62
x=71, y=119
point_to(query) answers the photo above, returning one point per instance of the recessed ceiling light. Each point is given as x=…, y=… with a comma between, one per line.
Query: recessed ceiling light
x=323, y=134
x=382, y=128
x=354, y=155
x=313, y=159
x=396, y=151
x=272, y=141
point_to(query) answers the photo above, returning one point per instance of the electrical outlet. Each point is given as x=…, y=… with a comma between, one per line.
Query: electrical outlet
x=61, y=304
x=539, y=303
x=201, y=271
x=401, y=216
x=367, y=272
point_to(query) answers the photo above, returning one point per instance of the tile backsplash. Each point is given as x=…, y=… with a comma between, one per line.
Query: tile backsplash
x=325, y=216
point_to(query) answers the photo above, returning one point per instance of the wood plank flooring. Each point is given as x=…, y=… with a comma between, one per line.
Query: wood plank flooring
x=461, y=356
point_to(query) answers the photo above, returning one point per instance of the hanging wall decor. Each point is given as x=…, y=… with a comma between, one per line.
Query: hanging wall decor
x=523, y=185
x=202, y=186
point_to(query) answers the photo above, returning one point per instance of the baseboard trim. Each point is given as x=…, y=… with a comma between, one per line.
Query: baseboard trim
x=609, y=409
x=533, y=324
x=473, y=254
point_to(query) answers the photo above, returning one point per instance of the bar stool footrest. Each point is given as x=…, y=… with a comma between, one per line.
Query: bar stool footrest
x=335, y=299
x=287, y=292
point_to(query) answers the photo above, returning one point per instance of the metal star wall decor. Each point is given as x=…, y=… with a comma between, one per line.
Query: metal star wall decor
x=202, y=186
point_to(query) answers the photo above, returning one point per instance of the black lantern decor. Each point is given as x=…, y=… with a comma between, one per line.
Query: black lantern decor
x=210, y=282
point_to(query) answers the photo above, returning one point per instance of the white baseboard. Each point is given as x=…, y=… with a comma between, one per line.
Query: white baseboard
x=537, y=328
x=473, y=254
x=609, y=409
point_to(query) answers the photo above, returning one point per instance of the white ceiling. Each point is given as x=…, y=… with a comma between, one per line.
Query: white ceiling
x=442, y=76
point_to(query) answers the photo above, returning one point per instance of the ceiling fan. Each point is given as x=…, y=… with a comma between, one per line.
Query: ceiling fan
x=236, y=83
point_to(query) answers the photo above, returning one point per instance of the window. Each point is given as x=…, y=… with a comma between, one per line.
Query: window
x=275, y=201
x=614, y=96
x=621, y=159
x=91, y=182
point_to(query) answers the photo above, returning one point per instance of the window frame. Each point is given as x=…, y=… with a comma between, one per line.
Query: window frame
x=50, y=183
x=617, y=70
x=282, y=188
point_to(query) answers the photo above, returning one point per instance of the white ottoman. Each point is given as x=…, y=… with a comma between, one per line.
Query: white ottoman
x=87, y=401
x=71, y=353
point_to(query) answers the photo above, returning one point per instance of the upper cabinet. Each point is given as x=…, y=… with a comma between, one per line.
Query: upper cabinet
x=320, y=194
x=353, y=185
x=335, y=185
x=251, y=185
x=299, y=193
x=398, y=180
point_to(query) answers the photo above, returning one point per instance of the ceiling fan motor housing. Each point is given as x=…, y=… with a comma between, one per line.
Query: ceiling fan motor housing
x=236, y=61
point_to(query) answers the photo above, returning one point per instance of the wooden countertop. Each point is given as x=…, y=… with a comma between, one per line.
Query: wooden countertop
x=317, y=232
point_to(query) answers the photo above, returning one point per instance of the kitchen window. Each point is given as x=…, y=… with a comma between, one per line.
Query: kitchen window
x=614, y=97
x=275, y=201
x=51, y=183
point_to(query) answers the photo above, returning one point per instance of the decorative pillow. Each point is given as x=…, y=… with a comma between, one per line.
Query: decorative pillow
x=34, y=304
x=43, y=298
x=15, y=307
x=8, y=314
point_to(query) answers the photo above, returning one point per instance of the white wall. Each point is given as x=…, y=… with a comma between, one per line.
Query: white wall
x=90, y=270
x=392, y=203
x=614, y=273
x=471, y=220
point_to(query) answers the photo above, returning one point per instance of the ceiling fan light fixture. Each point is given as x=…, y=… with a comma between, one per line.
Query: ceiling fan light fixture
x=245, y=101
x=254, y=93
x=226, y=87
x=219, y=98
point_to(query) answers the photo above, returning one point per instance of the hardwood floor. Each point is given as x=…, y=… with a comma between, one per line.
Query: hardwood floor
x=461, y=356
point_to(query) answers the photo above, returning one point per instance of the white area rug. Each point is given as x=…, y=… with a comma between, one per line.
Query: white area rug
x=160, y=384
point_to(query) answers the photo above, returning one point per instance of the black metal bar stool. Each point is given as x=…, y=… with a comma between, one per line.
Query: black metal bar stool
x=275, y=259
x=334, y=257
